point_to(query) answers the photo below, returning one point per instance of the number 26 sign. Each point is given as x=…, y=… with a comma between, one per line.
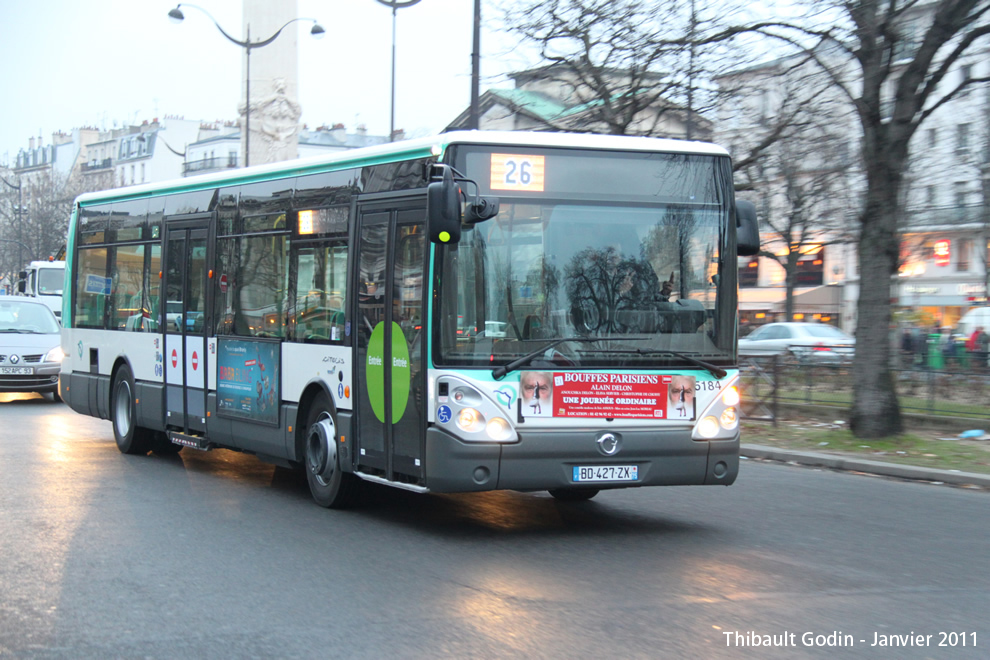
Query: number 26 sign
x=517, y=172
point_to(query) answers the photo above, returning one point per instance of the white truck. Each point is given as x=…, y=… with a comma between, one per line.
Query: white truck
x=44, y=280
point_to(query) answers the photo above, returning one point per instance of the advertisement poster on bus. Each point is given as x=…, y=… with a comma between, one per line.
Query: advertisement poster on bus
x=248, y=380
x=615, y=396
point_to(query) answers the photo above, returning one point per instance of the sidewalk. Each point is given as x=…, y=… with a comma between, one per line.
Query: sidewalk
x=855, y=464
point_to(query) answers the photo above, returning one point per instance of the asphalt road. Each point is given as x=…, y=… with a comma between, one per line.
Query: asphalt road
x=216, y=555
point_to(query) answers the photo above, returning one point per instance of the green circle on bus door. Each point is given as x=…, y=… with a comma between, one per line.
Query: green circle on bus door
x=401, y=373
x=400, y=369
x=374, y=377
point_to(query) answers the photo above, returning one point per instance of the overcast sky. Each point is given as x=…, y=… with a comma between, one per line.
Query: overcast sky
x=106, y=63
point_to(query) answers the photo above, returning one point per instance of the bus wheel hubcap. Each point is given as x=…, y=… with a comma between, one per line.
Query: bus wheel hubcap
x=123, y=416
x=321, y=449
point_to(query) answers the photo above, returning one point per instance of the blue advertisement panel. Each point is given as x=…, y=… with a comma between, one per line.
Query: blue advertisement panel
x=248, y=379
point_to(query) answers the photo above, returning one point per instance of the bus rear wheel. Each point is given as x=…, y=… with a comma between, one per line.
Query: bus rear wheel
x=131, y=438
x=330, y=486
x=573, y=494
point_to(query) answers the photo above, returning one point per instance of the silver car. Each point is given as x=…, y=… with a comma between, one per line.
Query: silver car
x=30, y=351
x=809, y=343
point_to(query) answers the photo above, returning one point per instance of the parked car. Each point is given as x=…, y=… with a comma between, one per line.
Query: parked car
x=808, y=342
x=978, y=317
x=30, y=346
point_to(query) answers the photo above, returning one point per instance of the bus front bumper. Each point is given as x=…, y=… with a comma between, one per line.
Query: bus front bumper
x=544, y=460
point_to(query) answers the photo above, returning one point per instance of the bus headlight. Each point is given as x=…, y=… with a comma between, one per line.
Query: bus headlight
x=720, y=418
x=470, y=420
x=731, y=396
x=708, y=427
x=498, y=429
x=465, y=410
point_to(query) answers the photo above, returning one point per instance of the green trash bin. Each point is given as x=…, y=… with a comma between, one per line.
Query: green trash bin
x=935, y=359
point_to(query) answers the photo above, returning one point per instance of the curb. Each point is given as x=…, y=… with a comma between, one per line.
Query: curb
x=850, y=464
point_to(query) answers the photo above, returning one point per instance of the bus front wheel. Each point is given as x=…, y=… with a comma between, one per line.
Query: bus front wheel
x=330, y=486
x=131, y=438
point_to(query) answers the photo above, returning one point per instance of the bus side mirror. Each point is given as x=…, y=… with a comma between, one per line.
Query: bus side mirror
x=747, y=229
x=481, y=209
x=443, y=209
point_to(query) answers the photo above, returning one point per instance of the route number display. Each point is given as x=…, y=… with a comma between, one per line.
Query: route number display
x=517, y=172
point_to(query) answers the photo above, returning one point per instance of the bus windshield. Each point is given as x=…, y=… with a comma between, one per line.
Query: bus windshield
x=642, y=278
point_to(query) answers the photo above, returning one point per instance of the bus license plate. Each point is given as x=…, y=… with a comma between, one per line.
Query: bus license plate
x=16, y=371
x=606, y=473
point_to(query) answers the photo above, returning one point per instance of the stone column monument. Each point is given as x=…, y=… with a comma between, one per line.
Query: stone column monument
x=275, y=109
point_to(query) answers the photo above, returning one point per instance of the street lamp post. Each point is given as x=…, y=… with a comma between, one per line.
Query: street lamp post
x=395, y=5
x=317, y=31
x=474, y=118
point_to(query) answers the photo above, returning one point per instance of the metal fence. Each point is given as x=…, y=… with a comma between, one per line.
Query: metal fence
x=771, y=382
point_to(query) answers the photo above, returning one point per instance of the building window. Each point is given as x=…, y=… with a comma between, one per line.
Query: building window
x=764, y=105
x=961, y=194
x=965, y=74
x=962, y=251
x=749, y=273
x=930, y=195
x=962, y=138
x=932, y=138
x=811, y=268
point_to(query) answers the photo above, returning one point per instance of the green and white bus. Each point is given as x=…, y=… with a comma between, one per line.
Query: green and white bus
x=466, y=312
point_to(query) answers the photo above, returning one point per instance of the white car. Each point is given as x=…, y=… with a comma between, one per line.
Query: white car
x=173, y=315
x=808, y=342
x=496, y=329
x=30, y=346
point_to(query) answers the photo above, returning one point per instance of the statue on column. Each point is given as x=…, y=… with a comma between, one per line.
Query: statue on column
x=274, y=125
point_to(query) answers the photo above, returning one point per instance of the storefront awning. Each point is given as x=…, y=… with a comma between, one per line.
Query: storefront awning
x=820, y=299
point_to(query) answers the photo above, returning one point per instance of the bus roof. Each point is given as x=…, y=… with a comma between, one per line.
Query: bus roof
x=407, y=149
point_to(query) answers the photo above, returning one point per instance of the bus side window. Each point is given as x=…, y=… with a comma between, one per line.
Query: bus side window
x=320, y=293
x=128, y=280
x=152, y=289
x=256, y=298
x=91, y=284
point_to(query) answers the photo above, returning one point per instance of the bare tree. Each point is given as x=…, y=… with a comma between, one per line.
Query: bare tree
x=806, y=216
x=892, y=60
x=802, y=176
x=41, y=224
x=661, y=68
x=48, y=201
x=626, y=67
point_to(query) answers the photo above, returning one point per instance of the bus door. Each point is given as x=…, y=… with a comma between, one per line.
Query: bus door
x=389, y=350
x=184, y=314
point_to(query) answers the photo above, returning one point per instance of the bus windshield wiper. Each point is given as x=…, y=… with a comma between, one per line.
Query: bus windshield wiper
x=498, y=373
x=716, y=371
